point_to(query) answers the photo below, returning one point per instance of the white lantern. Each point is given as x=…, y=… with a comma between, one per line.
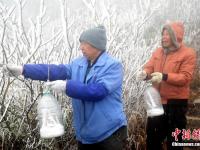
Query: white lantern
x=50, y=116
x=153, y=102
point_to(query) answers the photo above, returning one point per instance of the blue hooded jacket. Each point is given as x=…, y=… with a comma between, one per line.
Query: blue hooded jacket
x=96, y=95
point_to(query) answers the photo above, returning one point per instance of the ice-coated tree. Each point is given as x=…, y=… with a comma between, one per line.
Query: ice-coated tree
x=133, y=30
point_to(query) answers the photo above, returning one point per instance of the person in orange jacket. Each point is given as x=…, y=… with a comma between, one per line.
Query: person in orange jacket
x=170, y=69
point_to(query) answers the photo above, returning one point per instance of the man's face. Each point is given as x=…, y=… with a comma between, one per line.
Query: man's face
x=166, y=40
x=89, y=51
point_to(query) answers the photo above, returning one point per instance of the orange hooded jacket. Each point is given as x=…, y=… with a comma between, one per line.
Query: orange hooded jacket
x=178, y=65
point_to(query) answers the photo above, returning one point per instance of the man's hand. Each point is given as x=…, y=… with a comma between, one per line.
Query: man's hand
x=156, y=77
x=12, y=70
x=141, y=75
x=57, y=85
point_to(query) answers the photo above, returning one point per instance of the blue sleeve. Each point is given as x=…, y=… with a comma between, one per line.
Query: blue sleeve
x=88, y=92
x=40, y=72
x=106, y=83
x=112, y=79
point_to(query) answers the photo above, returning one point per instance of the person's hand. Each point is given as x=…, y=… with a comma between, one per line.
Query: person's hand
x=141, y=75
x=156, y=77
x=12, y=70
x=57, y=85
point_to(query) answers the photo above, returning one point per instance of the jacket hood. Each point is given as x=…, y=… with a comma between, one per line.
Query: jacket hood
x=176, y=31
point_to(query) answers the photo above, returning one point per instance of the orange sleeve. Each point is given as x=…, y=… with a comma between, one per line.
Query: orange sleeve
x=149, y=66
x=186, y=71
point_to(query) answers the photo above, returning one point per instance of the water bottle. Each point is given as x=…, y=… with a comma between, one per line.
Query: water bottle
x=50, y=116
x=153, y=102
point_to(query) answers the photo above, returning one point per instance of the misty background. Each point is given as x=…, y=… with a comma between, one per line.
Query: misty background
x=47, y=31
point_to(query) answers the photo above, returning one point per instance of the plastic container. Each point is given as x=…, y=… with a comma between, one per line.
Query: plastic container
x=50, y=116
x=153, y=102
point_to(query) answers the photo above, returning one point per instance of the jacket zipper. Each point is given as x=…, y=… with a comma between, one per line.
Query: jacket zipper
x=85, y=78
x=162, y=67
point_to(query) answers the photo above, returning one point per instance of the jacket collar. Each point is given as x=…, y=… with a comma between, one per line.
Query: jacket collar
x=100, y=62
x=169, y=52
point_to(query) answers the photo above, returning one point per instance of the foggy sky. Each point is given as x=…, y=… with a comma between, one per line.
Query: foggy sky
x=32, y=7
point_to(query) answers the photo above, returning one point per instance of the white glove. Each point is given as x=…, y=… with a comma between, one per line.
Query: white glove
x=156, y=77
x=12, y=70
x=141, y=75
x=57, y=85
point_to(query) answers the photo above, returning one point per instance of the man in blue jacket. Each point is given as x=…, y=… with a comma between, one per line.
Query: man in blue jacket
x=94, y=82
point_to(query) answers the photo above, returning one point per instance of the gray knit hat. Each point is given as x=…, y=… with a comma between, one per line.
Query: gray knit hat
x=96, y=37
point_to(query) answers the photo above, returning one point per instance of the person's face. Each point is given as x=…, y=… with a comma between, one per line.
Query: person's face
x=89, y=51
x=166, y=40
